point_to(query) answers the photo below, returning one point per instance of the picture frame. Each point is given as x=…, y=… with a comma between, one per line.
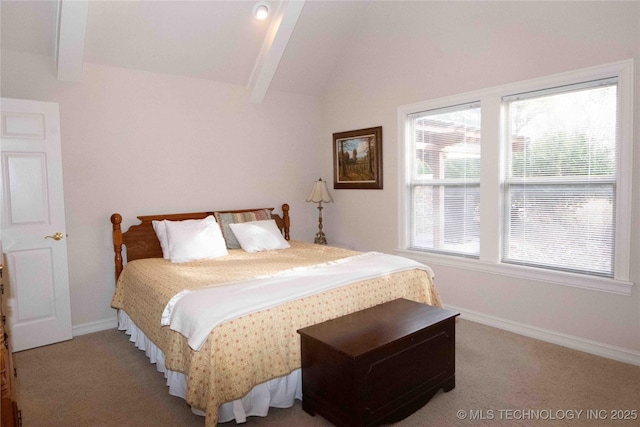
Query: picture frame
x=357, y=159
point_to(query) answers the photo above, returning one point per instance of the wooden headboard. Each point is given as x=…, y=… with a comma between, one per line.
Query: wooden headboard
x=141, y=240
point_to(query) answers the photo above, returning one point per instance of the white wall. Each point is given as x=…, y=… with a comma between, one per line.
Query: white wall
x=423, y=50
x=139, y=143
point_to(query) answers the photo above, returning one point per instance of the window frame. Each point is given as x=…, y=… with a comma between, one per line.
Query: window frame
x=491, y=191
x=511, y=183
x=443, y=183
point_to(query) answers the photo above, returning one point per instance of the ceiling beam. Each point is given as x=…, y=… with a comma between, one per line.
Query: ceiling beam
x=278, y=36
x=72, y=30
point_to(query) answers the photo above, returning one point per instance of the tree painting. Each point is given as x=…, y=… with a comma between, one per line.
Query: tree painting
x=357, y=158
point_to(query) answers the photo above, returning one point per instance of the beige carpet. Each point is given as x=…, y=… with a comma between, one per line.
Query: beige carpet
x=502, y=379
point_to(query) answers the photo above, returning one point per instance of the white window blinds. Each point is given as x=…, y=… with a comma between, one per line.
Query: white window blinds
x=560, y=183
x=445, y=180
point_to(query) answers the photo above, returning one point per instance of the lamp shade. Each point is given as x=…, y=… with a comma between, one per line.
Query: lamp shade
x=320, y=192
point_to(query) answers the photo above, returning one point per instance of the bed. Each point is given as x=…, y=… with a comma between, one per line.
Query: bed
x=243, y=357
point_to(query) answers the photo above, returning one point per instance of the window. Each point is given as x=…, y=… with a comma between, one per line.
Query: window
x=445, y=180
x=560, y=188
x=550, y=176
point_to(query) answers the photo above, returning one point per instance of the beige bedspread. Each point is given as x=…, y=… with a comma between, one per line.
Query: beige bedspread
x=252, y=349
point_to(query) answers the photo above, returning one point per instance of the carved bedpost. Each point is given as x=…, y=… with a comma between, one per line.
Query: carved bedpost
x=116, y=220
x=287, y=221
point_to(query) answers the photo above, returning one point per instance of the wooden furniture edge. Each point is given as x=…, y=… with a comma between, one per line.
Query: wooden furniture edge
x=141, y=241
x=10, y=413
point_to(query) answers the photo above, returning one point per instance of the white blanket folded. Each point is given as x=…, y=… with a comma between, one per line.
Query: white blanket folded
x=195, y=313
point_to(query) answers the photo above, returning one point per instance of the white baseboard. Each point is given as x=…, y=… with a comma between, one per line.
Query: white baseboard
x=576, y=343
x=100, y=325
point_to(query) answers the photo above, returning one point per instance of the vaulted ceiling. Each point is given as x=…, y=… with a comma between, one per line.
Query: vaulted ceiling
x=295, y=50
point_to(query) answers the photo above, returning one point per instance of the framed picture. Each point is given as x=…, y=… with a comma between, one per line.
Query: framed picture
x=357, y=159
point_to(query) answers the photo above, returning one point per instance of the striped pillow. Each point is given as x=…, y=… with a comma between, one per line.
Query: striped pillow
x=226, y=218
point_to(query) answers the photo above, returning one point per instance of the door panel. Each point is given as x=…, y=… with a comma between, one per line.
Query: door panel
x=18, y=125
x=38, y=300
x=26, y=175
x=33, y=266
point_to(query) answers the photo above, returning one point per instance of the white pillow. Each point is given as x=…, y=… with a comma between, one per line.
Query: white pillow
x=195, y=239
x=256, y=236
x=161, y=232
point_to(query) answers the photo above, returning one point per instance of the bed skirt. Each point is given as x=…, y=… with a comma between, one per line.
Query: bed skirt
x=278, y=393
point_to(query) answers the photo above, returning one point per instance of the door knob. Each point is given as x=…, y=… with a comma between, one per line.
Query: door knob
x=56, y=236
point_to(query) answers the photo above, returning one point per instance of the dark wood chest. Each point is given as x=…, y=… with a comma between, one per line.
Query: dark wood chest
x=378, y=365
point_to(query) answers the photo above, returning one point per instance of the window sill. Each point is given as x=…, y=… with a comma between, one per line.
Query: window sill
x=613, y=286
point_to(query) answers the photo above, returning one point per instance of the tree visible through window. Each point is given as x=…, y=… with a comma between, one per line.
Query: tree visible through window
x=560, y=188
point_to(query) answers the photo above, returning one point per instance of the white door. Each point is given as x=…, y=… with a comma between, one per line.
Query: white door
x=33, y=225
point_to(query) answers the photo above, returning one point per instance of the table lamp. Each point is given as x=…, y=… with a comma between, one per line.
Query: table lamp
x=320, y=193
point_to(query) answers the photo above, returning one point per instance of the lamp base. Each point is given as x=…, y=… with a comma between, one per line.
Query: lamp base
x=320, y=239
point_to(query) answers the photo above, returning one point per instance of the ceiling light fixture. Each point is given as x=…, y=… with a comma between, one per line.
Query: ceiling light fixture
x=261, y=10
